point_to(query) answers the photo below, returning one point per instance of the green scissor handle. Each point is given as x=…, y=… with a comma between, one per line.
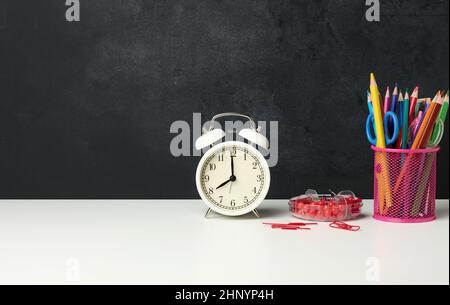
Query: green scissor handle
x=420, y=106
x=436, y=136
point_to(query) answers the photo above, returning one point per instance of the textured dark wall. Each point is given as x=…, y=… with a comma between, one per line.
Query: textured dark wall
x=85, y=108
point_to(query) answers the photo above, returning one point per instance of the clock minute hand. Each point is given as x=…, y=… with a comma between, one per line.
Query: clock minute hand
x=232, y=166
x=223, y=184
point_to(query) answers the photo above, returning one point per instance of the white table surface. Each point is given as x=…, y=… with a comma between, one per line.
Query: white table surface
x=170, y=242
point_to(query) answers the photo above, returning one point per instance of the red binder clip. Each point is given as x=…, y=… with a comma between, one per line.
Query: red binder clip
x=344, y=226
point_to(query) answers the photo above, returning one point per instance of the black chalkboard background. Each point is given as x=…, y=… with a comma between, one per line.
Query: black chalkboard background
x=86, y=107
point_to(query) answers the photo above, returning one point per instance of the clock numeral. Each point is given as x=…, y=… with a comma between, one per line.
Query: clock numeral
x=233, y=203
x=211, y=191
x=220, y=199
x=245, y=154
x=206, y=178
x=220, y=158
x=255, y=165
x=254, y=190
x=233, y=151
x=245, y=200
x=212, y=167
x=259, y=178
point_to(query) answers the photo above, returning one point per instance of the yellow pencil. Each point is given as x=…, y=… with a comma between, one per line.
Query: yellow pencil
x=377, y=114
x=383, y=176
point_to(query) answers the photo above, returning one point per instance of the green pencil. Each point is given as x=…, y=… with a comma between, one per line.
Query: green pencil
x=405, y=121
x=442, y=116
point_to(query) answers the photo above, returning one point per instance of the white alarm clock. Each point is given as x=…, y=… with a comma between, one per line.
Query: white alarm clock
x=233, y=177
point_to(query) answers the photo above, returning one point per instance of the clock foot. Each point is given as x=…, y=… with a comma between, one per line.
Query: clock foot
x=207, y=213
x=255, y=211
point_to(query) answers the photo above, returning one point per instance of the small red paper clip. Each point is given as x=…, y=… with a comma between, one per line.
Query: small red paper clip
x=344, y=226
x=293, y=228
x=289, y=226
x=302, y=223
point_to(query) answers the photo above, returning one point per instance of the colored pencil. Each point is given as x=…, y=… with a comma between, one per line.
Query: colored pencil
x=369, y=102
x=393, y=105
x=427, y=126
x=377, y=113
x=405, y=121
x=394, y=99
x=419, y=120
x=398, y=144
x=387, y=99
x=379, y=187
x=422, y=101
x=381, y=140
x=369, y=105
x=427, y=106
x=421, y=139
x=426, y=117
x=444, y=110
x=442, y=116
x=422, y=187
x=413, y=102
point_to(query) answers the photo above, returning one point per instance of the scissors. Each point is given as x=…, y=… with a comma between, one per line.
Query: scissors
x=422, y=105
x=389, y=118
x=436, y=136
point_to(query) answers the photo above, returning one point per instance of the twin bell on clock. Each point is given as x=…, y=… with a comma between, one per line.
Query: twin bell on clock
x=233, y=177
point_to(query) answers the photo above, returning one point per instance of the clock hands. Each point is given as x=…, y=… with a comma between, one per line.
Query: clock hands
x=232, y=166
x=223, y=184
x=232, y=178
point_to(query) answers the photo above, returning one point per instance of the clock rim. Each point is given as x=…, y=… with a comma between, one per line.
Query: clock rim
x=263, y=193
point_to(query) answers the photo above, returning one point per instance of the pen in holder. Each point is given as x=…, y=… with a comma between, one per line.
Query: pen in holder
x=405, y=184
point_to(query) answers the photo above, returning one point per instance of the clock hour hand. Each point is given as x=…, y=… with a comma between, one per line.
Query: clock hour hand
x=232, y=179
x=223, y=184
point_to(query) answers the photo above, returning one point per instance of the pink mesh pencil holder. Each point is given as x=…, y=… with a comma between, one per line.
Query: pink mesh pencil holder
x=405, y=185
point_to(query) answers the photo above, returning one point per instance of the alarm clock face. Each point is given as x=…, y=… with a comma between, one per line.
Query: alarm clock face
x=233, y=178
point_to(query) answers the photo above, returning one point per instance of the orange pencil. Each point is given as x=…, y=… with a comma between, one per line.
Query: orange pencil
x=429, y=130
x=422, y=139
x=429, y=121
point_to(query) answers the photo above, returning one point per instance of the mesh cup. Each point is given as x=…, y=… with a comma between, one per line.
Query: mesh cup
x=405, y=185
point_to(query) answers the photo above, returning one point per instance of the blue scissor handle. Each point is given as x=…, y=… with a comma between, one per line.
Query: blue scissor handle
x=369, y=123
x=395, y=124
x=389, y=116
